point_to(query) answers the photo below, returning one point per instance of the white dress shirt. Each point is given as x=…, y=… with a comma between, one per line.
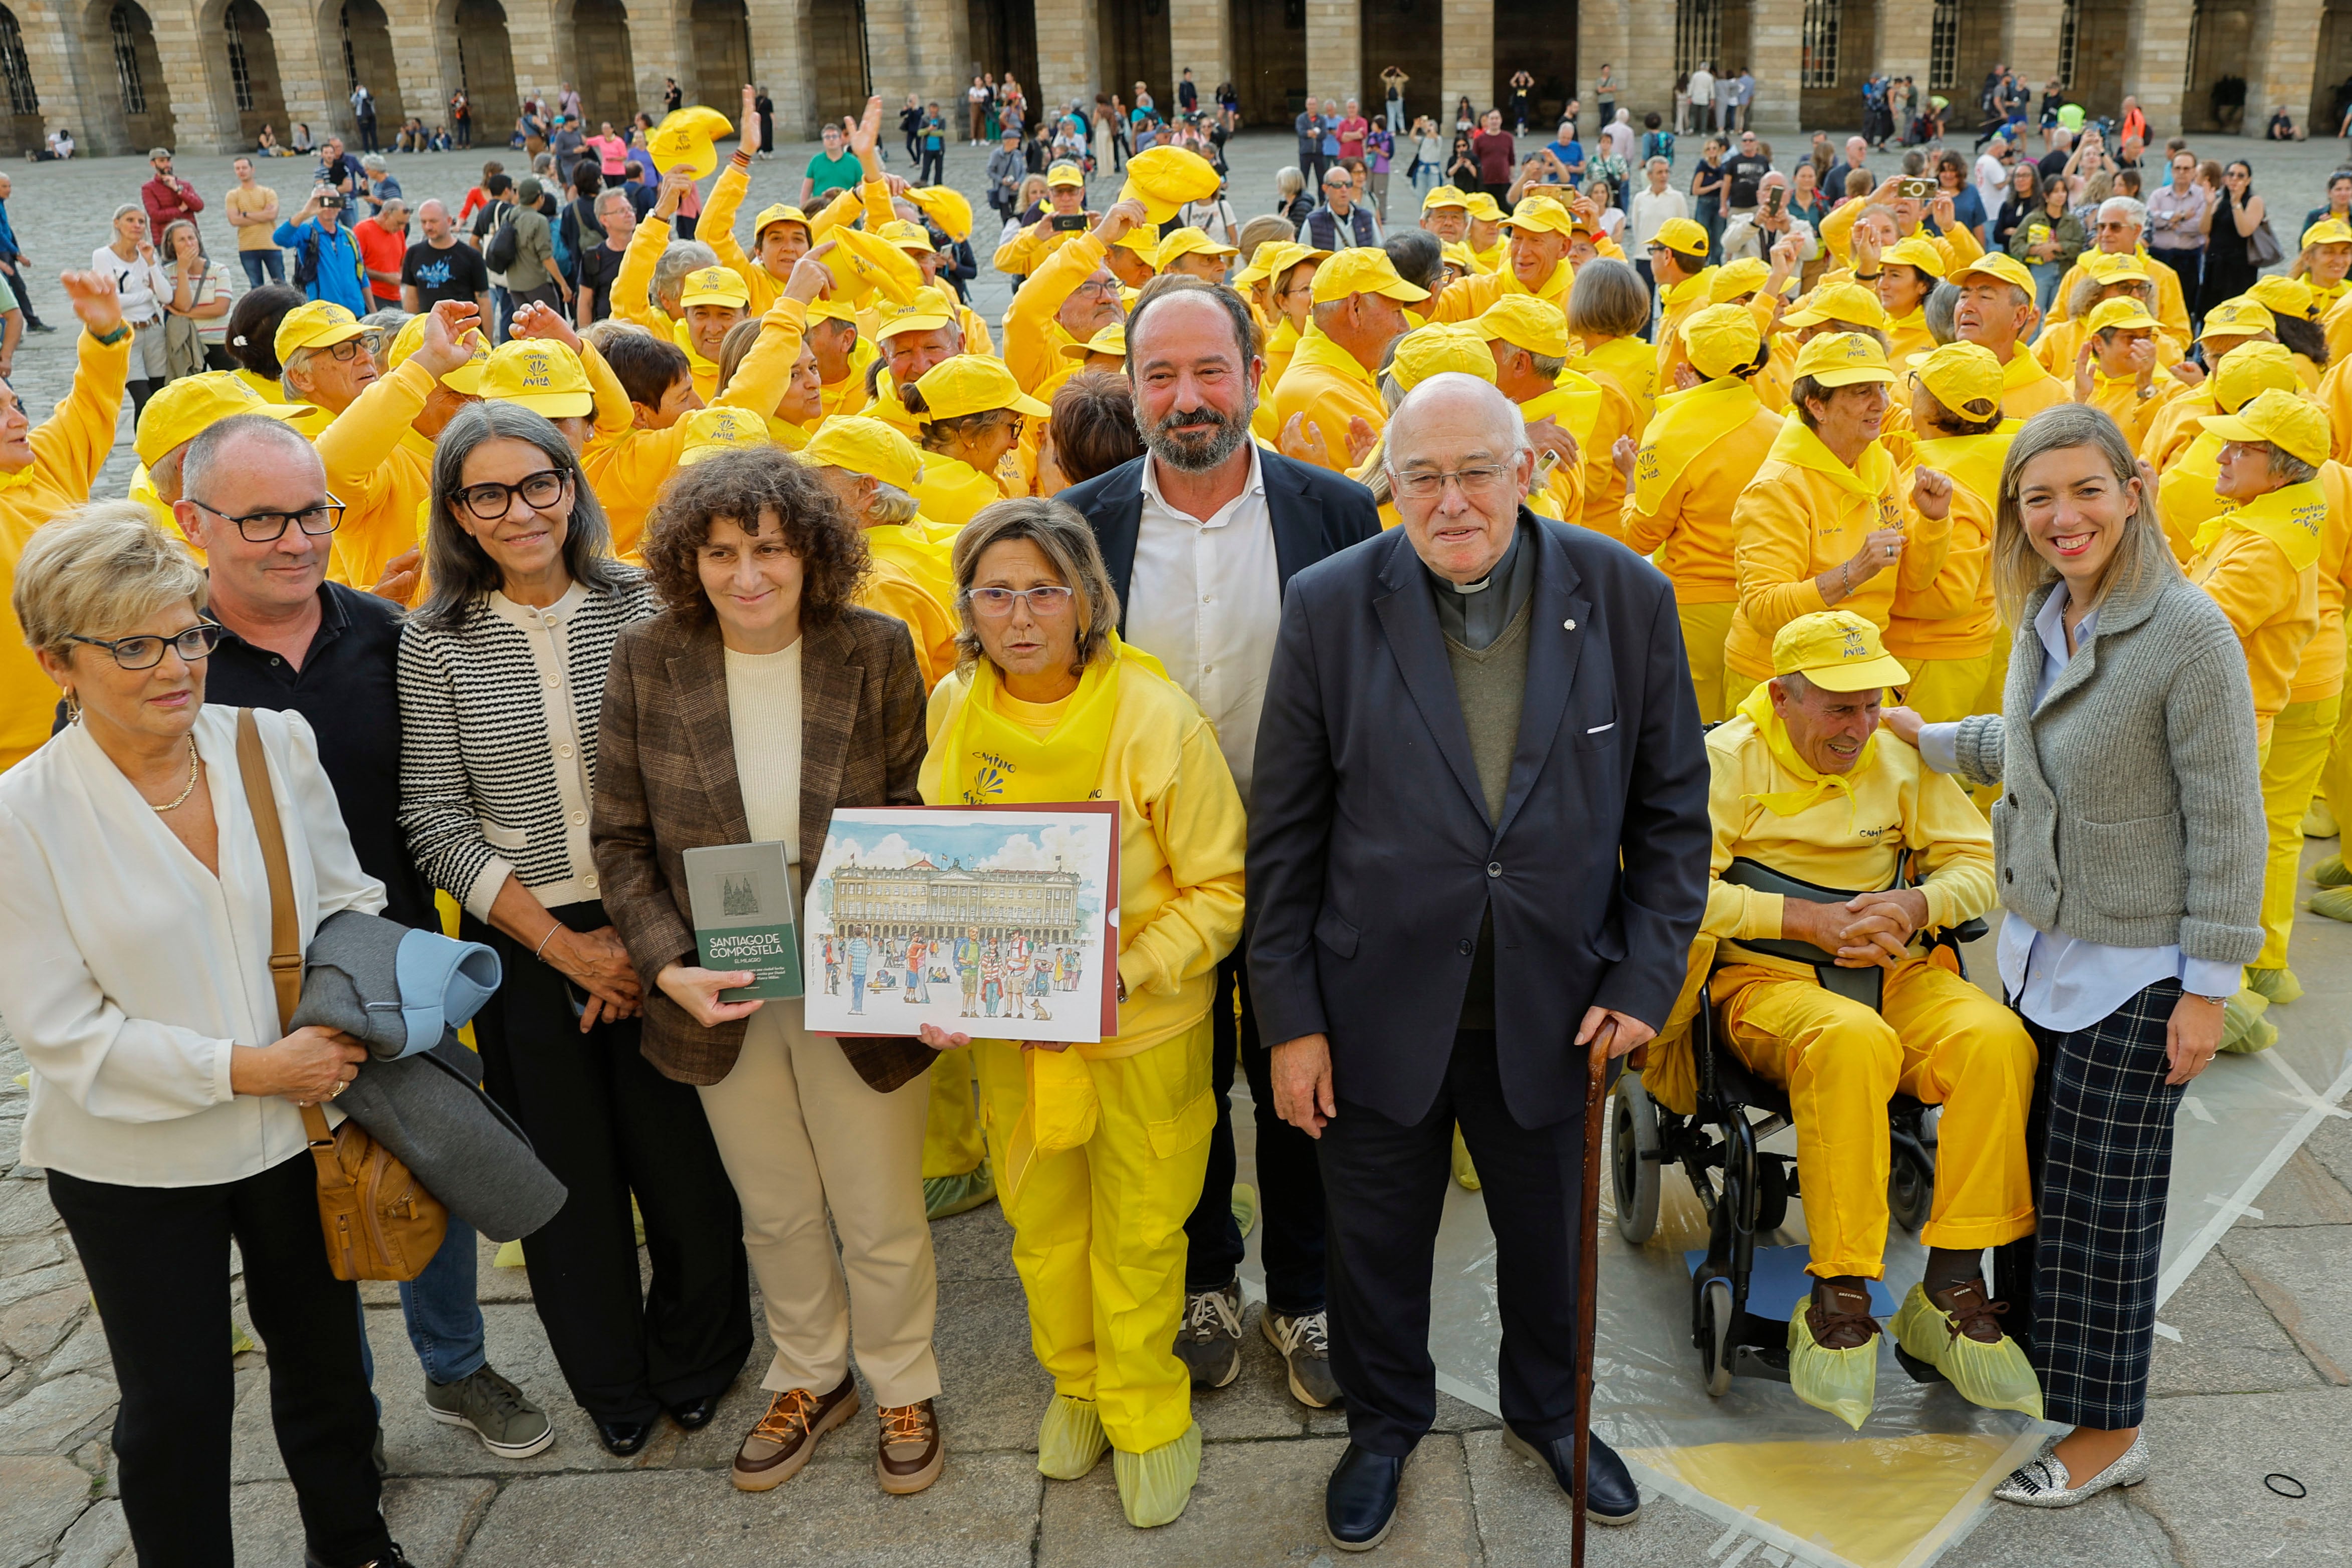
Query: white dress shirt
x=2063, y=982
x=128, y=970
x=1205, y=600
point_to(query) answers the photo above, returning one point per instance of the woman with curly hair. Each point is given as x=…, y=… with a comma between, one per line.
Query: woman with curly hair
x=757, y=702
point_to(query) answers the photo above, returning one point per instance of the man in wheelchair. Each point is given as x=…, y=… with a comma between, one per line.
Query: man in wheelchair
x=1829, y=988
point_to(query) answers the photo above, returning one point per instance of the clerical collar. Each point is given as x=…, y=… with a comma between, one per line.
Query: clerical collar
x=1475, y=613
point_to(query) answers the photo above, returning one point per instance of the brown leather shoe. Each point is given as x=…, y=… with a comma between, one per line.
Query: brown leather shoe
x=786, y=1436
x=1968, y=1313
x=911, y=1451
x=1839, y=1317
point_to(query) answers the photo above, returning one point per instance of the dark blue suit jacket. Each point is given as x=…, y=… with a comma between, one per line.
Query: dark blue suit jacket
x=1371, y=858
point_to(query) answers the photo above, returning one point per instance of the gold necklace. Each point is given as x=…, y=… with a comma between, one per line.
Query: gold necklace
x=195, y=761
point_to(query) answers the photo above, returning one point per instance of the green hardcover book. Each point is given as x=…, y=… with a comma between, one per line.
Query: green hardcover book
x=742, y=900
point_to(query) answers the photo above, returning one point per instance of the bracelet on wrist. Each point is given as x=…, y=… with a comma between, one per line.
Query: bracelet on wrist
x=544, y=941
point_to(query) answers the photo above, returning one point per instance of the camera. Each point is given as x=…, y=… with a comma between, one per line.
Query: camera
x=1066, y=223
x=332, y=199
x=1918, y=190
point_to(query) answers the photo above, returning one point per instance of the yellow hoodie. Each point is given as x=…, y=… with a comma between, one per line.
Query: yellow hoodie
x=1687, y=524
x=2271, y=596
x=1952, y=615
x=1330, y=387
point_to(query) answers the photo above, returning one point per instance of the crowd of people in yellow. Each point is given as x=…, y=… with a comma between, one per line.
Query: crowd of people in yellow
x=1825, y=477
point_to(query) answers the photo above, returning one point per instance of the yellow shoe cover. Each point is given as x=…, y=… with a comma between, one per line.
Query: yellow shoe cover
x=510, y=1256
x=1244, y=1209
x=1154, y=1487
x=944, y=1195
x=2279, y=985
x=1843, y=1382
x=2332, y=872
x=1465, y=1174
x=2319, y=822
x=1070, y=1440
x=1996, y=1377
x=2244, y=1029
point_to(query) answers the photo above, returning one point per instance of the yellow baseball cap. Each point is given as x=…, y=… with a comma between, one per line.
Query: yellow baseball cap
x=1065, y=175
x=2327, y=231
x=711, y=430
x=1916, y=253
x=685, y=136
x=856, y=444
x=2125, y=312
x=466, y=378
x=1682, y=236
x=1735, y=279
x=2292, y=424
x=2250, y=369
x=973, y=383
x=1188, y=242
x=2123, y=268
x=824, y=307
x=2243, y=317
x=1837, y=650
x=1165, y=178
x=1526, y=322
x=318, y=325
x=1721, y=338
x=2286, y=295
x=1444, y=196
x=715, y=286
x=1274, y=258
x=1362, y=270
x=863, y=264
x=1484, y=207
x=1426, y=351
x=1143, y=239
x=1457, y=254
x=541, y=376
x=186, y=407
x=1994, y=264
x=2240, y=376
x=1848, y=302
x=923, y=317
x=946, y=206
x=1843, y=360
x=1111, y=339
x=1540, y=215
x=1965, y=377
x=906, y=235
x=782, y=212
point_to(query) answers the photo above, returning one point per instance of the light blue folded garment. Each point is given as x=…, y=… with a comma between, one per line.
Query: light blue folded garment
x=442, y=983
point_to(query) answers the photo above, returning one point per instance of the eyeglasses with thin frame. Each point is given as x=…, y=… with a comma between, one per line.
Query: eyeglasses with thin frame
x=144, y=652
x=489, y=500
x=1427, y=484
x=268, y=528
x=997, y=603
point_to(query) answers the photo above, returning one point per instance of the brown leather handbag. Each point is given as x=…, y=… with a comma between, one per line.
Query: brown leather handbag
x=380, y=1223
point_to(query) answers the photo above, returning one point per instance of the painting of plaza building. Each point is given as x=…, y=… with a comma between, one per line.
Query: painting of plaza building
x=940, y=903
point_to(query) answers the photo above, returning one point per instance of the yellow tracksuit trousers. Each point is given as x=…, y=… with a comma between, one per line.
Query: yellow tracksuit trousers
x=1937, y=1039
x=1705, y=626
x=2299, y=738
x=1943, y=690
x=1098, y=1231
x=951, y=1143
x=2336, y=778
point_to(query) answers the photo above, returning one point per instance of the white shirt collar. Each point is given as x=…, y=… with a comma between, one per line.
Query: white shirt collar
x=1254, y=486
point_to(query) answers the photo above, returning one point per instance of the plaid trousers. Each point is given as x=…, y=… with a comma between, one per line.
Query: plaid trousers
x=2102, y=1137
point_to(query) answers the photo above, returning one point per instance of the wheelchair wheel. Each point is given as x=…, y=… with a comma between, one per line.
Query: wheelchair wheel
x=1910, y=1188
x=1714, y=1321
x=1634, y=1134
x=1771, y=1193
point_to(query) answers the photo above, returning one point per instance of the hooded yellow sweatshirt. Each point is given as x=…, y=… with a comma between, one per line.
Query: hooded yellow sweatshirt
x=1330, y=387
x=2260, y=562
x=1701, y=448
x=1952, y=615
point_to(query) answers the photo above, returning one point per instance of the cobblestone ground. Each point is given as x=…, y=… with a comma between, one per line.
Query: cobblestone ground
x=2256, y=1381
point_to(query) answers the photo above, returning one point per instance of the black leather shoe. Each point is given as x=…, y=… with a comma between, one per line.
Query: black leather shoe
x=623, y=1438
x=1610, y=1496
x=1360, y=1500
x=390, y=1558
x=695, y=1414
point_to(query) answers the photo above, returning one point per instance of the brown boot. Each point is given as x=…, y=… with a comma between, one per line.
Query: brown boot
x=786, y=1436
x=911, y=1450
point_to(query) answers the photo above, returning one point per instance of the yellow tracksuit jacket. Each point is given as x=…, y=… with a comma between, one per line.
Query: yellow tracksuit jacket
x=2274, y=607
x=1034, y=338
x=1330, y=387
x=1959, y=246
x=2171, y=310
x=383, y=471
x=716, y=226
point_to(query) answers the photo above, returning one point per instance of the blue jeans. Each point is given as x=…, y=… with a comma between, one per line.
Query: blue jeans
x=857, y=990
x=444, y=1312
x=2047, y=276
x=257, y=262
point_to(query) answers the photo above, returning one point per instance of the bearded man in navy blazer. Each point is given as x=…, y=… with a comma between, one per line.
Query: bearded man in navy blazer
x=1479, y=852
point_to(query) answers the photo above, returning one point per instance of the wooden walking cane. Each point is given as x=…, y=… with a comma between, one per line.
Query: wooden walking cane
x=1588, y=1278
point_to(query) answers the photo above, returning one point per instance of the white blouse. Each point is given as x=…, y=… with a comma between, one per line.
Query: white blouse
x=128, y=970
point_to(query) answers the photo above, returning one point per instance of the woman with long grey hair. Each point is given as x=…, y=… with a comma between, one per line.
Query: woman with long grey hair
x=2131, y=840
x=501, y=678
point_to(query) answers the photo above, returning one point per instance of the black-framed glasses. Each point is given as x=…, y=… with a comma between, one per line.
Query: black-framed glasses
x=489, y=501
x=144, y=652
x=266, y=528
x=351, y=349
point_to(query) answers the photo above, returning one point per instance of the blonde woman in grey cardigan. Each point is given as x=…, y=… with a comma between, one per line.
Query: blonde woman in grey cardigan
x=2129, y=838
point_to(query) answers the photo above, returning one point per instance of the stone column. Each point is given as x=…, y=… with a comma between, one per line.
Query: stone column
x=52, y=51
x=661, y=44
x=1646, y=62
x=1200, y=35
x=541, y=51
x=1468, y=48
x=310, y=81
x=1335, y=61
x=2030, y=43
x=424, y=54
x=1775, y=53
x=2283, y=58
x=782, y=46
x=189, y=69
x=1604, y=33
x=2156, y=62
x=1070, y=51
x=1905, y=28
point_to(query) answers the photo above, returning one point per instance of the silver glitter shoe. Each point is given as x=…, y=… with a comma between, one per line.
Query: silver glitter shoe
x=2044, y=1483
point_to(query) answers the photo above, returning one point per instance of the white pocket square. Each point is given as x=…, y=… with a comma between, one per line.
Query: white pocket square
x=1597, y=728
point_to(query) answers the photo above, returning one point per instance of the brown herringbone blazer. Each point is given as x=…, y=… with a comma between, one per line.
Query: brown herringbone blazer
x=665, y=783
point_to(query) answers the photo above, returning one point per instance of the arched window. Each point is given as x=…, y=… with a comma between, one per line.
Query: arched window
x=241, y=76
x=2070, y=20
x=1821, y=41
x=351, y=61
x=1698, y=33
x=1944, y=47
x=22, y=99
x=126, y=62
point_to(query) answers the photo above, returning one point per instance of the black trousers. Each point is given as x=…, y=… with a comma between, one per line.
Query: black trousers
x=1387, y=1184
x=157, y=1259
x=1289, y=1181
x=609, y=1125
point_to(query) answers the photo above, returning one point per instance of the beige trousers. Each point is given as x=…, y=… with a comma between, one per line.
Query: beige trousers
x=802, y=1134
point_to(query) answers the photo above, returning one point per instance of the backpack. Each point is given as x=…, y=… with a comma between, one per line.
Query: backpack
x=306, y=262
x=502, y=251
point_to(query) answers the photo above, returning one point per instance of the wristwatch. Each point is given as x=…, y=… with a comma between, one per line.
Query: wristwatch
x=2199, y=996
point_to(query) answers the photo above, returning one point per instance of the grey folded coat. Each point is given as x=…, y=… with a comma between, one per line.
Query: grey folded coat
x=423, y=1107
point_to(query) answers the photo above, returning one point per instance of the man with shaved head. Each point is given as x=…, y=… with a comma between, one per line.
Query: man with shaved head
x=1478, y=853
x=437, y=267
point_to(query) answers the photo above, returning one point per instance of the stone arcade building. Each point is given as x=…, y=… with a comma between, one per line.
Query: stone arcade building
x=205, y=75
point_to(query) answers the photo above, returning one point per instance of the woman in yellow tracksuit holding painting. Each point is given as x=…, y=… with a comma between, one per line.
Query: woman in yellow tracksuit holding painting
x=1099, y=1149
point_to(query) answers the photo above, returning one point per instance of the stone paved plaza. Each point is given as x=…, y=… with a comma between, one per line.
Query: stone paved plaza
x=2256, y=1382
